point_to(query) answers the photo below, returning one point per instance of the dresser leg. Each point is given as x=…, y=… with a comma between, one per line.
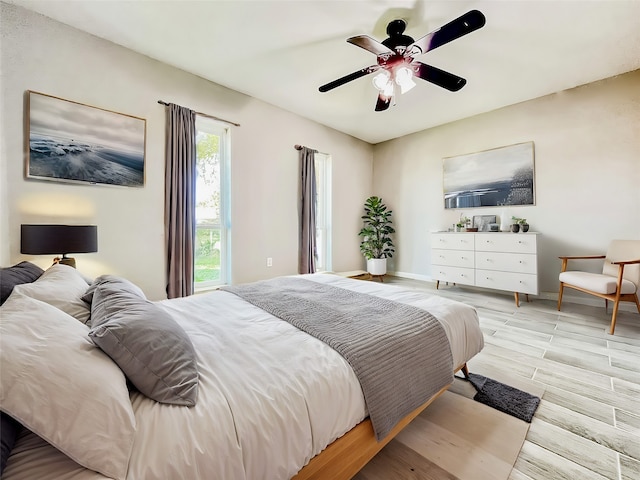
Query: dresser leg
x=515, y=294
x=437, y=284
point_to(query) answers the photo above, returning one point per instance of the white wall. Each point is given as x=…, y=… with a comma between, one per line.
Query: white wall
x=43, y=55
x=587, y=173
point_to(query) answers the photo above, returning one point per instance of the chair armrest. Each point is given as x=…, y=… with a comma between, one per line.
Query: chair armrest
x=628, y=262
x=565, y=260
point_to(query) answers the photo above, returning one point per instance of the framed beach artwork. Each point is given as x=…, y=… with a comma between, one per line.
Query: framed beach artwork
x=76, y=143
x=497, y=177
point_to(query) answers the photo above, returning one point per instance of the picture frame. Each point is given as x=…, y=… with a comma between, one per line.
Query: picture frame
x=72, y=142
x=502, y=176
x=483, y=222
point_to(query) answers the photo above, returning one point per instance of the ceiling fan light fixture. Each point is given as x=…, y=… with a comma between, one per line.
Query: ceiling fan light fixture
x=404, y=78
x=381, y=80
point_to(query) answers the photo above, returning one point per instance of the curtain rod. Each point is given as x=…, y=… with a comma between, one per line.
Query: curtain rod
x=206, y=115
x=299, y=147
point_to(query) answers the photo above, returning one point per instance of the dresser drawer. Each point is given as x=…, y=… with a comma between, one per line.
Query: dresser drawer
x=515, y=282
x=453, y=258
x=452, y=241
x=507, y=262
x=505, y=242
x=463, y=276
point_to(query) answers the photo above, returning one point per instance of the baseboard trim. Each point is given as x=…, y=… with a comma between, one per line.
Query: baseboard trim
x=581, y=300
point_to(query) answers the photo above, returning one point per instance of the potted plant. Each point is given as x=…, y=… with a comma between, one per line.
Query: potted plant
x=464, y=222
x=519, y=223
x=376, y=243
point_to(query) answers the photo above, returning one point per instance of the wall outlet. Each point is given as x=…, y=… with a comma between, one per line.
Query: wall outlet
x=269, y=262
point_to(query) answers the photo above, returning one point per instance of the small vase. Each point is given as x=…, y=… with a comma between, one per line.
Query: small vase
x=515, y=228
x=525, y=227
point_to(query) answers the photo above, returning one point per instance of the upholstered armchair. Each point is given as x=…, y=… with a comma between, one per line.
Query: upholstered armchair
x=618, y=282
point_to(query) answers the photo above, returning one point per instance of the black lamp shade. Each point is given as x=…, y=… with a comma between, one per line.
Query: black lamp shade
x=56, y=239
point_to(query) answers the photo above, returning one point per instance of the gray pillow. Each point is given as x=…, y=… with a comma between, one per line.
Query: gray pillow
x=119, y=282
x=153, y=351
x=23, y=272
x=9, y=430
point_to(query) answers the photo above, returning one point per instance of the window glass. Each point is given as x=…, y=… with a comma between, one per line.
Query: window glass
x=323, y=211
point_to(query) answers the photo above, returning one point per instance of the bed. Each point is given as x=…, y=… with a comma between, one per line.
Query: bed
x=272, y=401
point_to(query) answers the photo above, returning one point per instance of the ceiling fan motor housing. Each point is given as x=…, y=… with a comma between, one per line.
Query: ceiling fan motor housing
x=395, y=30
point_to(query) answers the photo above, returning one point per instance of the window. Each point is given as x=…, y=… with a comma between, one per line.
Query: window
x=323, y=211
x=212, y=248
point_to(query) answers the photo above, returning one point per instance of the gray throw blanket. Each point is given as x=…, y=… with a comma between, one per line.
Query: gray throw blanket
x=400, y=354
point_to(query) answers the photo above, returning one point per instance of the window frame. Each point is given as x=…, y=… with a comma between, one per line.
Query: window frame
x=223, y=131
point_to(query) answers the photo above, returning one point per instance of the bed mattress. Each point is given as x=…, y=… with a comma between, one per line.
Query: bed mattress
x=271, y=397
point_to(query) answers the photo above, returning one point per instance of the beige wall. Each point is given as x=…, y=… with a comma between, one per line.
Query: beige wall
x=43, y=55
x=587, y=173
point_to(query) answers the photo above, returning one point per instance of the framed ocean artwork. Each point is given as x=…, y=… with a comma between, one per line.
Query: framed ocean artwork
x=490, y=178
x=77, y=143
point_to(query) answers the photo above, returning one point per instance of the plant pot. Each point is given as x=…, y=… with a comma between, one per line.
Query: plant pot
x=377, y=266
x=515, y=228
x=525, y=227
x=471, y=229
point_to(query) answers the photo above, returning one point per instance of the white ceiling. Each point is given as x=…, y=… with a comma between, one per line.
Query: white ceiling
x=282, y=51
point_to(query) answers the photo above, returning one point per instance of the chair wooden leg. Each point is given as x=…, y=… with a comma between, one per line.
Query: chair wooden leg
x=613, y=317
x=465, y=371
x=606, y=305
x=560, y=295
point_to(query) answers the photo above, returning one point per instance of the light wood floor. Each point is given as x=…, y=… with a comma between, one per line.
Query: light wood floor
x=588, y=424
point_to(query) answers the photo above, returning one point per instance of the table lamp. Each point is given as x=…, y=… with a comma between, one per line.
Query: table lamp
x=59, y=239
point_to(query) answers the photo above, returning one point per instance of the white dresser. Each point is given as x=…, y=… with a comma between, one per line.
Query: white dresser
x=498, y=260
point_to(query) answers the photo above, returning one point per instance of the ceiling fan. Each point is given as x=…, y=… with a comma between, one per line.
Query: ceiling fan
x=397, y=65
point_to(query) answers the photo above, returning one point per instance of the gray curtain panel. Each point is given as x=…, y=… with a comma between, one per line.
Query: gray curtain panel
x=180, y=199
x=307, y=212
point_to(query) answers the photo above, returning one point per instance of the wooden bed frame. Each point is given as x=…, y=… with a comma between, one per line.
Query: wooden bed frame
x=346, y=456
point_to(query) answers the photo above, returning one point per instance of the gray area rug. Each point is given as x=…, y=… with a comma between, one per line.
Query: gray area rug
x=505, y=398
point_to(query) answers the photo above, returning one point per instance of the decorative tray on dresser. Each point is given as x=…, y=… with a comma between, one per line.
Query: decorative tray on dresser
x=497, y=260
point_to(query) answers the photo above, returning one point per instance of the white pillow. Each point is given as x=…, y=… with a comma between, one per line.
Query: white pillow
x=61, y=286
x=62, y=387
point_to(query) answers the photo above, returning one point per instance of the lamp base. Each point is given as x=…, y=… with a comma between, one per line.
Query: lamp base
x=65, y=261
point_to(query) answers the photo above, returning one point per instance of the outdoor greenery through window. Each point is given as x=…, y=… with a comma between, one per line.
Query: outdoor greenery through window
x=211, y=256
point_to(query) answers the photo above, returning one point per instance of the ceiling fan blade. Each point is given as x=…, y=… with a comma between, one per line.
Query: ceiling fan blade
x=370, y=44
x=383, y=102
x=464, y=24
x=348, y=78
x=443, y=79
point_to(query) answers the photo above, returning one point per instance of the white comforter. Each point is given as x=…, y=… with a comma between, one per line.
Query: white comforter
x=270, y=396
